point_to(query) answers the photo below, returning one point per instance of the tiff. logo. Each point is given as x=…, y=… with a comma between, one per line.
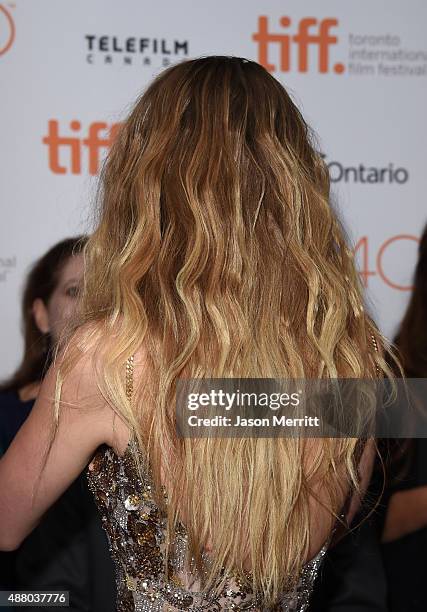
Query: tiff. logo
x=311, y=33
x=65, y=152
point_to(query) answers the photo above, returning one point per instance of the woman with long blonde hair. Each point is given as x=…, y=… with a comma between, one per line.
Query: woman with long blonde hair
x=216, y=255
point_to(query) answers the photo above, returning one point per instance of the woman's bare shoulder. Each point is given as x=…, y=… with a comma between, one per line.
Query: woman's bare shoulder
x=82, y=365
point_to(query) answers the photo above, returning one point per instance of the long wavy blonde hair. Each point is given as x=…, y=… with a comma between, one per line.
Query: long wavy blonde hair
x=218, y=251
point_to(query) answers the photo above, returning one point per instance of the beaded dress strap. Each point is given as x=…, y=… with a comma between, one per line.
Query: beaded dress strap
x=375, y=345
x=129, y=377
x=129, y=393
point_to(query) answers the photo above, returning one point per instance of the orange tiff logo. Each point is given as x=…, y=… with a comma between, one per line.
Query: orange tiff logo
x=311, y=33
x=7, y=30
x=65, y=152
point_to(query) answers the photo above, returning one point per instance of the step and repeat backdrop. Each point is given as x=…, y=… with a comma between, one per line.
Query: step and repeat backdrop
x=70, y=70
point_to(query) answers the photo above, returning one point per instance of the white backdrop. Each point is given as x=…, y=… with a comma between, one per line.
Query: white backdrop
x=358, y=71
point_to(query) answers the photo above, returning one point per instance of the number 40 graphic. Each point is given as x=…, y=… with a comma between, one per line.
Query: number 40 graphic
x=362, y=249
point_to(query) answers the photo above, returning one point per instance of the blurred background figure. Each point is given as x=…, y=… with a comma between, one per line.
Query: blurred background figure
x=405, y=517
x=49, y=299
x=68, y=549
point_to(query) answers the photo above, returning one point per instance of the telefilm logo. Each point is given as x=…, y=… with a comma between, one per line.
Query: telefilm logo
x=311, y=45
x=295, y=42
x=133, y=50
x=362, y=173
x=7, y=29
x=72, y=148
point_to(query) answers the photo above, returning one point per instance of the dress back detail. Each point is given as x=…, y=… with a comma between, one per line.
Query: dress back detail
x=136, y=530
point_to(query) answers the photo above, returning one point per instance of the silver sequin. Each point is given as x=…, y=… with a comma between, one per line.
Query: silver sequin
x=136, y=534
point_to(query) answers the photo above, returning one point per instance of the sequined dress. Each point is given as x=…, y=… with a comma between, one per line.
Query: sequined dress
x=136, y=530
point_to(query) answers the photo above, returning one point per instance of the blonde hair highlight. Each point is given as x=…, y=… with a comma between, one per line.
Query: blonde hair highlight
x=217, y=249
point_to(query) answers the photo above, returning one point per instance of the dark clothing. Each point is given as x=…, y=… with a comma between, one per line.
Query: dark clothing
x=68, y=549
x=405, y=559
x=405, y=566
x=352, y=578
x=13, y=413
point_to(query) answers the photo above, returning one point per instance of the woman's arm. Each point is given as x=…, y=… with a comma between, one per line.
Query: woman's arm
x=27, y=488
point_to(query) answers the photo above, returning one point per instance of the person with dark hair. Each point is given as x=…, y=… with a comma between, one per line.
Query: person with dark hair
x=404, y=531
x=68, y=549
x=49, y=299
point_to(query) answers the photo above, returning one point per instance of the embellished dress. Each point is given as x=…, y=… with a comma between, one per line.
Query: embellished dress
x=136, y=530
